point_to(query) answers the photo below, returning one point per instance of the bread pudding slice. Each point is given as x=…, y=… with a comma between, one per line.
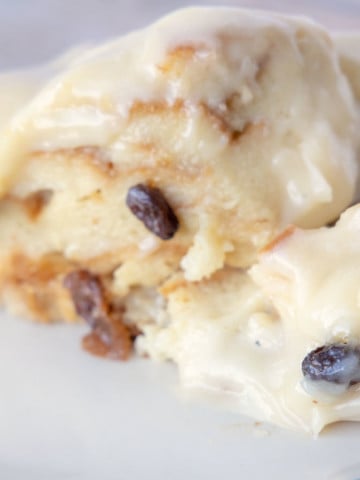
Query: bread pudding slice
x=171, y=155
x=312, y=280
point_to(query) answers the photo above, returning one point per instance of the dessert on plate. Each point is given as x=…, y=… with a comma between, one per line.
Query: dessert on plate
x=142, y=180
x=312, y=280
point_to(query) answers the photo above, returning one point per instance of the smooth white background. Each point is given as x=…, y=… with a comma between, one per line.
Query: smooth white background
x=35, y=30
x=65, y=415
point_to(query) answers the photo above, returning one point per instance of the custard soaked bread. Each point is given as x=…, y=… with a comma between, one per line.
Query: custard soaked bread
x=312, y=278
x=151, y=170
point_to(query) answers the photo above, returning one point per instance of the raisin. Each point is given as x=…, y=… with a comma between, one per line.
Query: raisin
x=88, y=296
x=149, y=205
x=337, y=363
x=109, y=337
x=114, y=343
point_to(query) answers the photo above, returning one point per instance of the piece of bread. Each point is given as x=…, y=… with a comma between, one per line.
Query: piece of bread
x=142, y=180
x=313, y=281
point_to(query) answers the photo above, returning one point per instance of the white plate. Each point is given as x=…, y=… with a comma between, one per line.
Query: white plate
x=66, y=415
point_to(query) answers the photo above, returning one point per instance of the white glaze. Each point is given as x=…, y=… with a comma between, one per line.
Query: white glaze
x=86, y=104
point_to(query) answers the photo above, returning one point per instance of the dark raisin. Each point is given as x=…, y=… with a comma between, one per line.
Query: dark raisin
x=149, y=205
x=335, y=363
x=88, y=296
x=109, y=337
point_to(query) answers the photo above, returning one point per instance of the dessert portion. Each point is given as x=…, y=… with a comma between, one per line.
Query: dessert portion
x=228, y=119
x=311, y=278
x=227, y=339
x=139, y=184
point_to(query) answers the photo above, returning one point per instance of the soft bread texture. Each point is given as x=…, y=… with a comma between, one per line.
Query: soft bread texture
x=243, y=121
x=311, y=278
x=229, y=118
